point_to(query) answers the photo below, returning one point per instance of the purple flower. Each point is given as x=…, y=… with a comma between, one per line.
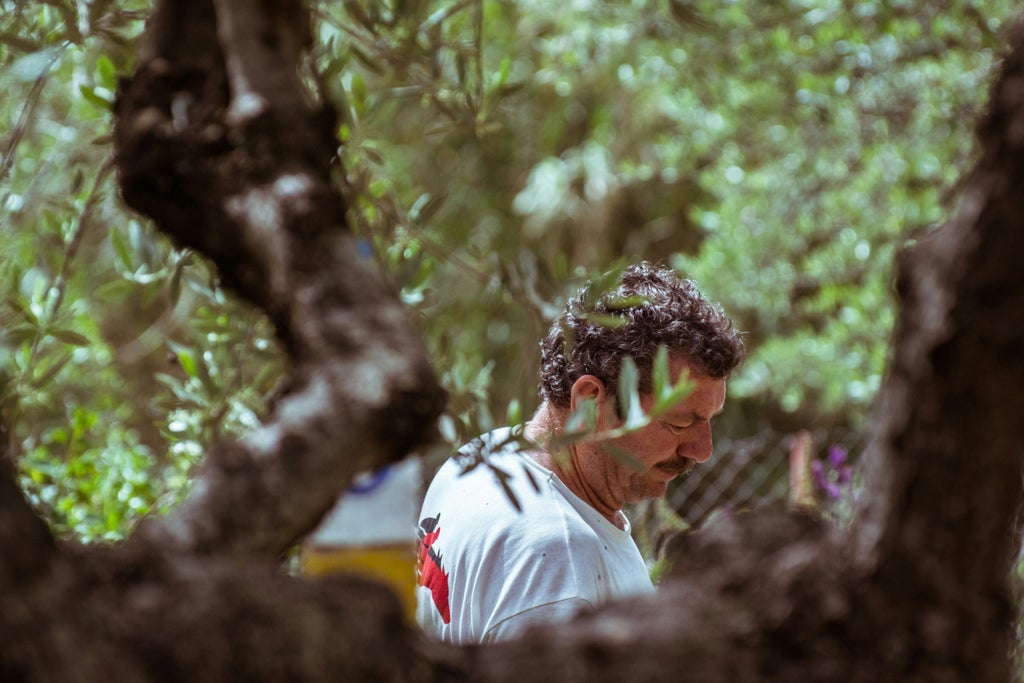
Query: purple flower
x=836, y=456
x=833, y=476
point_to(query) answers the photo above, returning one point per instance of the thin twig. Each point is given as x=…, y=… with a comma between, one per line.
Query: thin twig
x=478, y=57
x=25, y=117
x=60, y=282
x=442, y=15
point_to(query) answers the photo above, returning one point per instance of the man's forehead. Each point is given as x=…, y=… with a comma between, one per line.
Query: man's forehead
x=706, y=400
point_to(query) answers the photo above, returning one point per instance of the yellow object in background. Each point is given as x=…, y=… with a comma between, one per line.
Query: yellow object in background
x=372, y=532
x=393, y=565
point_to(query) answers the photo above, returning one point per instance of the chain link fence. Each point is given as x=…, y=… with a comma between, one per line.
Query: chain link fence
x=748, y=472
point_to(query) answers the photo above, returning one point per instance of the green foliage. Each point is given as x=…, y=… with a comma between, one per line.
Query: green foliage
x=95, y=480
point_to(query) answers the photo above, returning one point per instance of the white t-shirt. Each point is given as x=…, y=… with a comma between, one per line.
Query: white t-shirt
x=487, y=570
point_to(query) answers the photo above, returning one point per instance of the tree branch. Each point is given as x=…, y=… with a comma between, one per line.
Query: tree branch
x=945, y=464
x=221, y=147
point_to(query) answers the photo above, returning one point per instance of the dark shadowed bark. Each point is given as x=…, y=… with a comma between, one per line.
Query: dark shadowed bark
x=218, y=144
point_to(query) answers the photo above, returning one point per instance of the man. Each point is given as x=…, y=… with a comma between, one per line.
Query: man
x=541, y=534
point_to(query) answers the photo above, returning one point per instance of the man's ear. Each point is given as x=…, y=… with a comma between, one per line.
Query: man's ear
x=588, y=388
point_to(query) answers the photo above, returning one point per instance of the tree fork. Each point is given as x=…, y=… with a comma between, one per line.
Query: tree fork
x=217, y=142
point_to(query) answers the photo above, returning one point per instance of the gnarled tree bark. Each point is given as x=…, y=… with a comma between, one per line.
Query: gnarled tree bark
x=218, y=143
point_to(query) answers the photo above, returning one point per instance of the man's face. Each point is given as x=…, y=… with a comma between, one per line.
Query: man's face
x=669, y=446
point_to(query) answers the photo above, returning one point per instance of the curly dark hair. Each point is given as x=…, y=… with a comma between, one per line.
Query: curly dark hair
x=651, y=307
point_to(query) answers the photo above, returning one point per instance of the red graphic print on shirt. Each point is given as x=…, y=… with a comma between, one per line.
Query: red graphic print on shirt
x=428, y=566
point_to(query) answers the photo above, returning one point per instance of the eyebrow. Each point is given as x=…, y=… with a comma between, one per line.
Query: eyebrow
x=694, y=414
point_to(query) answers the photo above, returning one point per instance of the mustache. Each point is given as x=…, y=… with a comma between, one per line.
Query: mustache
x=679, y=467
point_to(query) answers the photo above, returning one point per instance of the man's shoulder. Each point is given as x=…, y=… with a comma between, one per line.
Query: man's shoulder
x=487, y=470
x=504, y=488
x=504, y=496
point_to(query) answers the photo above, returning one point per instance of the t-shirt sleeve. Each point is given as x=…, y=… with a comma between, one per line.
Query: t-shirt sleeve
x=552, y=612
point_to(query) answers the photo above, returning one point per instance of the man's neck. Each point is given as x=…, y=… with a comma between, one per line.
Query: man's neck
x=546, y=424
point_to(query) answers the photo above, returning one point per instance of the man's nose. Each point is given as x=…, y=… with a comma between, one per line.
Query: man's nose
x=699, y=446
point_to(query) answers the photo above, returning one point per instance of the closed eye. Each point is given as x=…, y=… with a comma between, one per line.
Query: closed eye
x=676, y=428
